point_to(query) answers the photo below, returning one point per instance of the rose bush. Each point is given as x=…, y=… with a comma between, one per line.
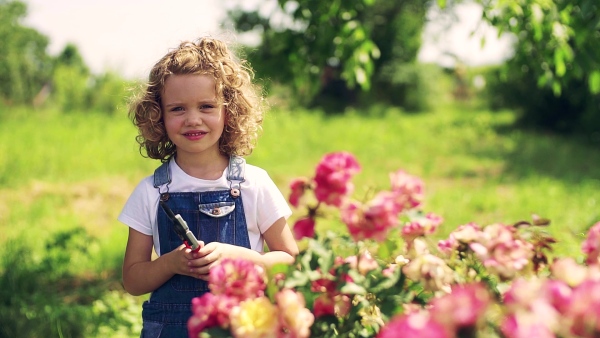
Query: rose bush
x=387, y=276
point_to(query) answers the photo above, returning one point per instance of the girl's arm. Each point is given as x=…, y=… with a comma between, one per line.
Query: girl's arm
x=141, y=274
x=279, y=239
x=281, y=243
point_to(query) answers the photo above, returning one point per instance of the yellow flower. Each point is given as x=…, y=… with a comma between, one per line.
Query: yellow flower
x=255, y=318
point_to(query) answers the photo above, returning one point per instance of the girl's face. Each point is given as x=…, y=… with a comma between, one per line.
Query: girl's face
x=193, y=118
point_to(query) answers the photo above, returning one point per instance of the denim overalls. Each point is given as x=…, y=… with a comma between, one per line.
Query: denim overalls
x=213, y=216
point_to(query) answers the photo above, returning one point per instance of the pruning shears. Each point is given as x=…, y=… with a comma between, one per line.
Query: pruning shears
x=181, y=228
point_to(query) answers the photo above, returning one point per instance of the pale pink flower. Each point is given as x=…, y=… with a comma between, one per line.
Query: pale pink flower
x=523, y=327
x=431, y=271
x=558, y=294
x=408, y=189
x=295, y=318
x=569, y=271
x=530, y=306
x=460, y=238
x=466, y=233
x=332, y=177
x=463, y=308
x=342, y=305
x=363, y=263
x=421, y=226
x=297, y=188
x=237, y=278
x=372, y=221
x=413, y=325
x=255, y=318
x=591, y=245
x=304, y=227
x=500, y=252
x=506, y=259
x=447, y=246
x=584, y=309
x=399, y=262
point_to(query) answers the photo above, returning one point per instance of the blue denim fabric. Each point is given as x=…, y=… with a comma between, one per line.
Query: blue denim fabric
x=213, y=216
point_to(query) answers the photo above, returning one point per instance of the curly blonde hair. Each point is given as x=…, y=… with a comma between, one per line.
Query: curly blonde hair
x=242, y=99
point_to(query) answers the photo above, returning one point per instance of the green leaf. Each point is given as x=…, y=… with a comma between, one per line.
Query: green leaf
x=559, y=63
x=594, y=82
x=353, y=289
x=215, y=332
x=387, y=248
x=556, y=88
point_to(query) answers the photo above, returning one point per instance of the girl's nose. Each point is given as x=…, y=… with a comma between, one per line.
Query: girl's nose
x=193, y=118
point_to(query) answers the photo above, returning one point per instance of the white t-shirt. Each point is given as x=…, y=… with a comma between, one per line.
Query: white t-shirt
x=263, y=202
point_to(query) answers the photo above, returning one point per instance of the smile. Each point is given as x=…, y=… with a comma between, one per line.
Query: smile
x=194, y=135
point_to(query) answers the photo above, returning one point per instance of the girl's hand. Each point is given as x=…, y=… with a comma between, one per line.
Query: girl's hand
x=211, y=254
x=178, y=260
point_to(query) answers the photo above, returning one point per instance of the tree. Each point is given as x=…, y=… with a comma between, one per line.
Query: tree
x=332, y=47
x=71, y=80
x=554, y=75
x=24, y=64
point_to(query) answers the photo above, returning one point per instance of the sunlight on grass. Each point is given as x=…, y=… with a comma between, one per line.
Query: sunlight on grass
x=78, y=170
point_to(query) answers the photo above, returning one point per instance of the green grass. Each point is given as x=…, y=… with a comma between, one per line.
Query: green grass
x=60, y=171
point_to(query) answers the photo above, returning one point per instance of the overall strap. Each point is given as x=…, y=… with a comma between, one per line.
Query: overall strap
x=162, y=175
x=236, y=172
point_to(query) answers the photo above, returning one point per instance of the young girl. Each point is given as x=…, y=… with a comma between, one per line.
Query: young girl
x=198, y=115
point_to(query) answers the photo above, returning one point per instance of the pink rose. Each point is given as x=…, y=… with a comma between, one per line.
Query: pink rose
x=304, y=227
x=408, y=189
x=324, y=305
x=413, y=325
x=463, y=307
x=591, y=245
x=332, y=178
x=238, y=278
x=295, y=318
x=421, y=226
x=210, y=310
x=298, y=187
x=373, y=220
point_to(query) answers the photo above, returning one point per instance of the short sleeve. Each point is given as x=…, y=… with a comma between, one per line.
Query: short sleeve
x=137, y=212
x=272, y=205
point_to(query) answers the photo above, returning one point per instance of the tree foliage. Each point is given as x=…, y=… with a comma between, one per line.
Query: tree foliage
x=31, y=76
x=554, y=75
x=24, y=64
x=336, y=46
x=558, y=41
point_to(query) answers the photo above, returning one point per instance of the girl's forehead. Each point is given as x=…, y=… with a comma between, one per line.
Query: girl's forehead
x=197, y=80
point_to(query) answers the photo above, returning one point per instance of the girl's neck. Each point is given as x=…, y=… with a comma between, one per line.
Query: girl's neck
x=203, y=167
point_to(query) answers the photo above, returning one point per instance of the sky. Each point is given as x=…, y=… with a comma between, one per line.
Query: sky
x=129, y=36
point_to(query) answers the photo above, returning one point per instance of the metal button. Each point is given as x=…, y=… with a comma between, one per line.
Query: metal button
x=216, y=211
x=235, y=192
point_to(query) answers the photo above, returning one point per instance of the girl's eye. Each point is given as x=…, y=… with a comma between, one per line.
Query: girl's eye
x=206, y=106
x=177, y=109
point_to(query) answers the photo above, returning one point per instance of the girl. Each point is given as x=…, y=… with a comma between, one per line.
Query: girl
x=198, y=115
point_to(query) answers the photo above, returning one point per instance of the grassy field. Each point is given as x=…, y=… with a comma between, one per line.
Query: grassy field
x=60, y=172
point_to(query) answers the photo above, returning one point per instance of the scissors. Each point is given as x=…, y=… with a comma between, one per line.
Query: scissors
x=181, y=228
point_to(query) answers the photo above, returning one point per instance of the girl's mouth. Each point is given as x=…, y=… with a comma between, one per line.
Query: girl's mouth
x=194, y=135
